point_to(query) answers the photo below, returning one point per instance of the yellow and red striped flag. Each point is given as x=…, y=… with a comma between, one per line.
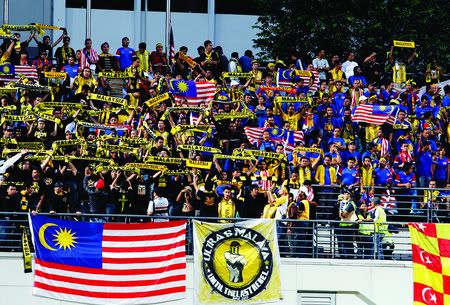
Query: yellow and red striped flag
x=431, y=263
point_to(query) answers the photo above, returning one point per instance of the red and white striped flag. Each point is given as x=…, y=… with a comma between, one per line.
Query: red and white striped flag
x=172, y=46
x=28, y=71
x=194, y=92
x=287, y=138
x=97, y=263
x=375, y=114
x=285, y=78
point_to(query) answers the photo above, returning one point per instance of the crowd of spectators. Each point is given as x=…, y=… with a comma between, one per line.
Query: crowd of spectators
x=67, y=151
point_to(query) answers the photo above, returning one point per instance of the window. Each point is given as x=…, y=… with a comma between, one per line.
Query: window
x=237, y=7
x=102, y=4
x=180, y=6
x=316, y=298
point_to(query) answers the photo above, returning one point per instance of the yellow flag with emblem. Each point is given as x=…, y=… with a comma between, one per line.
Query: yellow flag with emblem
x=236, y=263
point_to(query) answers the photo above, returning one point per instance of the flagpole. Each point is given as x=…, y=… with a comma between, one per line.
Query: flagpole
x=5, y=11
x=88, y=18
x=168, y=23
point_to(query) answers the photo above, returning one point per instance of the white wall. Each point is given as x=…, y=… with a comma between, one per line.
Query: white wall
x=356, y=282
x=233, y=32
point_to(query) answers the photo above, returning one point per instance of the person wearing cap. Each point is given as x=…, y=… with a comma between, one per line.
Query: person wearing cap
x=98, y=195
x=59, y=201
x=347, y=226
x=124, y=54
x=256, y=77
x=381, y=228
x=351, y=152
x=366, y=229
x=158, y=59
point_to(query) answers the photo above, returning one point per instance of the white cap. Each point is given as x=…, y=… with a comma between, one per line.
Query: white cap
x=362, y=98
x=234, y=83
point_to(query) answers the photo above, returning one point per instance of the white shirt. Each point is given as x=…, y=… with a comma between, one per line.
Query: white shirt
x=158, y=207
x=348, y=67
x=321, y=63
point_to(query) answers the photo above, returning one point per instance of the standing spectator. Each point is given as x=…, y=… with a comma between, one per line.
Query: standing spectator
x=424, y=164
x=144, y=59
x=106, y=61
x=234, y=65
x=349, y=65
x=223, y=60
x=441, y=168
x=406, y=180
x=434, y=73
x=181, y=67
x=89, y=57
x=365, y=232
x=124, y=54
x=158, y=59
x=253, y=203
x=347, y=226
x=159, y=206
x=372, y=69
x=296, y=61
x=63, y=53
x=46, y=46
x=246, y=61
x=321, y=65
x=210, y=59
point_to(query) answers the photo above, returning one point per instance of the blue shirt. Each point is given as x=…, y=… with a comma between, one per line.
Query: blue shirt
x=440, y=172
x=424, y=160
x=382, y=176
x=349, y=176
x=268, y=144
x=446, y=101
x=72, y=71
x=125, y=57
x=246, y=63
x=345, y=155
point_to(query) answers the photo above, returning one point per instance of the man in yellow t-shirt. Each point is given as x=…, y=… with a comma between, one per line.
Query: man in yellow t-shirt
x=291, y=116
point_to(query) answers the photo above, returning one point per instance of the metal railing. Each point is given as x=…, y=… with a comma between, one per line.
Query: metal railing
x=402, y=205
x=297, y=239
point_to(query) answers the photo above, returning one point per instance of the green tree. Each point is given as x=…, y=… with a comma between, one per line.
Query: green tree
x=361, y=26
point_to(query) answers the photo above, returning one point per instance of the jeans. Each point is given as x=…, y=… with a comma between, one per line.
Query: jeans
x=346, y=235
x=365, y=246
x=424, y=181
